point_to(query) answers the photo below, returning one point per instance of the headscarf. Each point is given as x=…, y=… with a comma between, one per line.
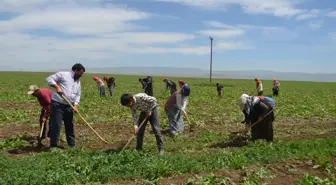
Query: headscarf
x=247, y=102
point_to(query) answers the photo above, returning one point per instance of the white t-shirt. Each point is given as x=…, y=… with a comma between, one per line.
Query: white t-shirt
x=260, y=87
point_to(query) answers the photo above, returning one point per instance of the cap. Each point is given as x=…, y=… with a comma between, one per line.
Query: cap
x=32, y=89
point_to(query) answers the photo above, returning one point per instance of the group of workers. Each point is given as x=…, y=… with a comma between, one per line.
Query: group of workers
x=258, y=110
x=110, y=81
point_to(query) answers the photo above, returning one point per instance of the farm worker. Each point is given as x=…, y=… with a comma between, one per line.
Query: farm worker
x=171, y=85
x=147, y=85
x=259, y=115
x=181, y=83
x=43, y=95
x=259, y=87
x=100, y=85
x=276, y=85
x=219, y=89
x=175, y=109
x=110, y=84
x=66, y=83
x=149, y=110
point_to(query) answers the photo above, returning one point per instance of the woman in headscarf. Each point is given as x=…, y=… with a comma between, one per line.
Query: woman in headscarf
x=259, y=115
x=259, y=87
x=175, y=109
x=276, y=85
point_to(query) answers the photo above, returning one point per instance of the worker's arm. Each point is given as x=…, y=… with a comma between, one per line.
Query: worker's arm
x=53, y=81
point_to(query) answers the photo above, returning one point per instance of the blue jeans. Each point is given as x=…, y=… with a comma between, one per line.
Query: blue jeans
x=61, y=112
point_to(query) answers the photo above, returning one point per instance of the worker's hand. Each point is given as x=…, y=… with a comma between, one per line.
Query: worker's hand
x=75, y=109
x=259, y=119
x=136, y=130
x=149, y=114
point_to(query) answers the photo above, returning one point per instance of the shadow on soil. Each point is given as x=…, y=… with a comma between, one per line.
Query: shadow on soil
x=234, y=141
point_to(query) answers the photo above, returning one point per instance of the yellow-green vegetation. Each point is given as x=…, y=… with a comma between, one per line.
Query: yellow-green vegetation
x=304, y=130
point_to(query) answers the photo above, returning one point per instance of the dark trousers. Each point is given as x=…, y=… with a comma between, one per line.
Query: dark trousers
x=155, y=123
x=45, y=125
x=260, y=93
x=275, y=91
x=149, y=90
x=263, y=129
x=61, y=112
x=111, y=89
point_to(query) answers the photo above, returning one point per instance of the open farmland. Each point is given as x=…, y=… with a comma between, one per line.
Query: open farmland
x=303, y=150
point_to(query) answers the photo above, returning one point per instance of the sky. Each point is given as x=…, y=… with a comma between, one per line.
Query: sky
x=277, y=35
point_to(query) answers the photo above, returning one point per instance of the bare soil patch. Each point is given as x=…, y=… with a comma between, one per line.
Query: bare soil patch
x=118, y=135
x=283, y=173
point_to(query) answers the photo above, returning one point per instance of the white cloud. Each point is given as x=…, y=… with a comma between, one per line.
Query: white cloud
x=274, y=7
x=309, y=14
x=332, y=13
x=234, y=46
x=228, y=33
x=317, y=24
x=76, y=20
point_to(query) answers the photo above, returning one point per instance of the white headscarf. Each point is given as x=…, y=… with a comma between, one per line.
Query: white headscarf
x=247, y=102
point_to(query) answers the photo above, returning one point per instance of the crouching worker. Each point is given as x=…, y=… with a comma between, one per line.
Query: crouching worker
x=43, y=95
x=149, y=111
x=175, y=109
x=259, y=115
x=100, y=86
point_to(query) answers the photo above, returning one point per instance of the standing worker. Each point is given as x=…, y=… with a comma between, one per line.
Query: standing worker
x=219, y=89
x=110, y=84
x=100, y=85
x=66, y=83
x=276, y=85
x=175, y=109
x=43, y=95
x=171, y=85
x=150, y=111
x=259, y=115
x=259, y=86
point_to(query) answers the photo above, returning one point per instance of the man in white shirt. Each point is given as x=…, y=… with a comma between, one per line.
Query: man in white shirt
x=67, y=84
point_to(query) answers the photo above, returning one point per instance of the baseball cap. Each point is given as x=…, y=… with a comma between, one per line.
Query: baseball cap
x=32, y=89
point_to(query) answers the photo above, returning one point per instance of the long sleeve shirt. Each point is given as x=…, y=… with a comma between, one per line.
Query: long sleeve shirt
x=45, y=101
x=276, y=83
x=143, y=103
x=260, y=87
x=181, y=101
x=99, y=83
x=70, y=87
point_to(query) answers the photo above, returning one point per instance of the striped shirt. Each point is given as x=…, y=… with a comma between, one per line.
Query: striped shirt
x=71, y=88
x=143, y=103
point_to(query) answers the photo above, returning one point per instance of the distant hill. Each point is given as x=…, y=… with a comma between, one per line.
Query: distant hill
x=199, y=73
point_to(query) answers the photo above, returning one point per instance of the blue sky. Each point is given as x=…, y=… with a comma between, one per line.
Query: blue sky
x=278, y=35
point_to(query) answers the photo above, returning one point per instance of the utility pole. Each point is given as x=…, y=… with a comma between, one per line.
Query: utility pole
x=211, y=39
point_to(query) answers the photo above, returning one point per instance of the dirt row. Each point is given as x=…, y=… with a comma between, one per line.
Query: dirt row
x=118, y=135
x=283, y=173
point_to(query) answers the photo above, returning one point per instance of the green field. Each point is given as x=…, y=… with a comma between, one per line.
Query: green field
x=303, y=151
